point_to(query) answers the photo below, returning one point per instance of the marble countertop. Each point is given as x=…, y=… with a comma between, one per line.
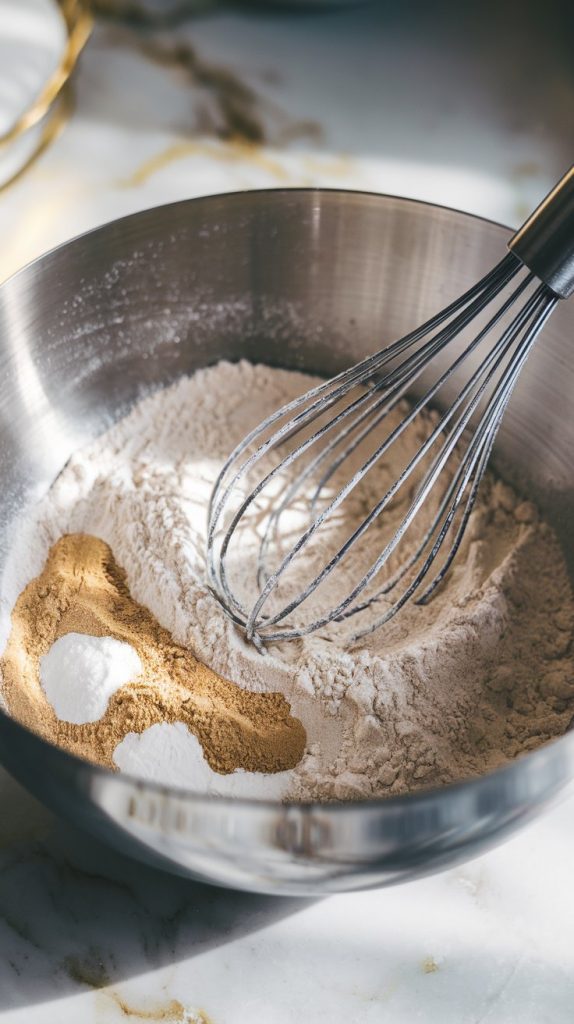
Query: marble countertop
x=89, y=937
x=407, y=100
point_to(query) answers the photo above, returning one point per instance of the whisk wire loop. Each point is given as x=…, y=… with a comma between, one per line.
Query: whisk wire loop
x=324, y=429
x=380, y=451
x=324, y=396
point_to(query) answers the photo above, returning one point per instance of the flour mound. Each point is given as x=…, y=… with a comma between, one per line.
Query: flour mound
x=443, y=692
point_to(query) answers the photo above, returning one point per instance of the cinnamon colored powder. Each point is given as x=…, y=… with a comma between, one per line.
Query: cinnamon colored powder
x=82, y=589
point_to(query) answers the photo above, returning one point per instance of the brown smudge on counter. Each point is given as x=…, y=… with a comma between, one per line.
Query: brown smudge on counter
x=171, y=1011
x=228, y=107
x=230, y=152
x=240, y=112
x=134, y=12
x=90, y=971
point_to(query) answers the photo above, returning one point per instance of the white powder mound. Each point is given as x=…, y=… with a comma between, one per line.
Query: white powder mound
x=441, y=693
x=80, y=673
x=171, y=753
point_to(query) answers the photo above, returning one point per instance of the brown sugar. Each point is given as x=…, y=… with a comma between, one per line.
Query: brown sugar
x=82, y=589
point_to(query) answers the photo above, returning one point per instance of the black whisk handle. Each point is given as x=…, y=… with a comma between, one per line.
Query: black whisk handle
x=545, y=243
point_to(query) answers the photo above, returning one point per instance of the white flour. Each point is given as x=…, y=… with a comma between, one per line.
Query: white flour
x=443, y=692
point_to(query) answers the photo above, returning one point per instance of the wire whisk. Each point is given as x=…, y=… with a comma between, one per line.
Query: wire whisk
x=293, y=476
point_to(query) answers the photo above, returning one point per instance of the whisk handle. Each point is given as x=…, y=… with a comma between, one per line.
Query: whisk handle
x=545, y=243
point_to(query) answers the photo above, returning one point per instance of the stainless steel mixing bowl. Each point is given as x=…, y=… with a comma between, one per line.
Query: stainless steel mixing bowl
x=305, y=279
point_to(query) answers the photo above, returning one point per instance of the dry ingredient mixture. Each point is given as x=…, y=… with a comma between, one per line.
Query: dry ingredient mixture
x=443, y=692
x=82, y=590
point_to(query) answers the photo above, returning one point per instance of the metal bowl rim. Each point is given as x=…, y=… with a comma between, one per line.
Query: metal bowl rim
x=241, y=194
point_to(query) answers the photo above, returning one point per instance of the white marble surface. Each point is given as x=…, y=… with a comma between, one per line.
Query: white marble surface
x=410, y=100
x=88, y=936
x=418, y=103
